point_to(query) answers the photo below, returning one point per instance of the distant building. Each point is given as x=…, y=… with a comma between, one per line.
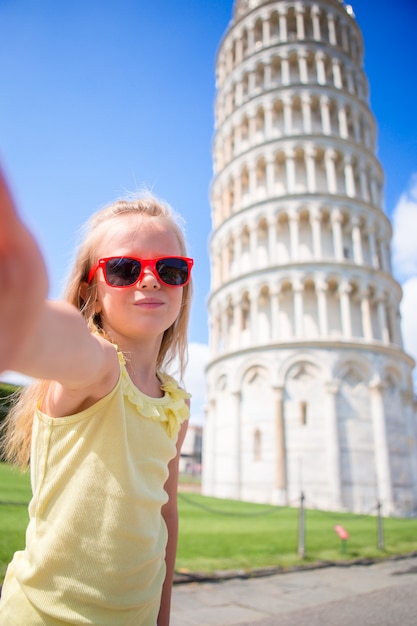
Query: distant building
x=309, y=388
x=190, y=462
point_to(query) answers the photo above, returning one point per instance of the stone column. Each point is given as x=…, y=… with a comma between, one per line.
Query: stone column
x=384, y=255
x=223, y=329
x=345, y=39
x=309, y=155
x=252, y=177
x=382, y=320
x=336, y=220
x=397, y=326
x=287, y=115
x=329, y=162
x=344, y=292
x=332, y=29
x=357, y=240
x=251, y=39
x=315, y=220
x=270, y=175
x=302, y=67
x=298, y=290
x=282, y=24
x=337, y=76
x=268, y=119
x=333, y=446
x=321, y=290
x=239, y=50
x=293, y=219
x=381, y=450
x=266, y=32
x=272, y=244
x=343, y=127
x=306, y=108
x=325, y=115
x=366, y=315
x=252, y=129
x=356, y=127
x=280, y=464
x=275, y=331
x=321, y=72
x=374, y=190
x=237, y=238
x=372, y=247
x=299, y=16
x=290, y=170
x=237, y=400
x=285, y=70
x=349, y=177
x=253, y=243
x=238, y=323
x=349, y=80
x=224, y=262
x=253, y=316
x=363, y=182
x=238, y=189
x=315, y=12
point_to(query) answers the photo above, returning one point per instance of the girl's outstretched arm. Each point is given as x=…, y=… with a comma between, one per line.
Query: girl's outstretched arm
x=48, y=340
x=23, y=281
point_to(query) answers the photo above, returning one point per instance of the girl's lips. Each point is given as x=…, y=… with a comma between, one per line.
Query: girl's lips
x=150, y=303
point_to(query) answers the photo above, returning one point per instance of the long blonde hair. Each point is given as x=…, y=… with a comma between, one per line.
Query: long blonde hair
x=17, y=427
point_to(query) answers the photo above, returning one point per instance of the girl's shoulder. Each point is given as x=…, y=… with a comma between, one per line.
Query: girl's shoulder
x=172, y=409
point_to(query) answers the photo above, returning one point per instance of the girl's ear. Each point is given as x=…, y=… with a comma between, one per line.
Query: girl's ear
x=88, y=291
x=83, y=291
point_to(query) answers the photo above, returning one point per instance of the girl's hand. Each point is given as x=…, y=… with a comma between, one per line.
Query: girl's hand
x=23, y=281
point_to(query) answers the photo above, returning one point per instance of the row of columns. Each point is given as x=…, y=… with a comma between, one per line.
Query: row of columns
x=293, y=115
x=353, y=239
x=306, y=169
x=244, y=314
x=280, y=71
x=279, y=26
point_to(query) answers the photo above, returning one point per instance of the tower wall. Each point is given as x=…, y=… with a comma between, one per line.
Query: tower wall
x=309, y=388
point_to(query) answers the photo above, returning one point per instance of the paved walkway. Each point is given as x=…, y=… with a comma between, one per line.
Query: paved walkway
x=383, y=594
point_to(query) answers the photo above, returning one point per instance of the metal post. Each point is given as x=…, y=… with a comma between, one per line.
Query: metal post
x=301, y=529
x=381, y=543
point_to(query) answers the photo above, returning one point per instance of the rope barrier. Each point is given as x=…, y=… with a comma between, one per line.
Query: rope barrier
x=215, y=511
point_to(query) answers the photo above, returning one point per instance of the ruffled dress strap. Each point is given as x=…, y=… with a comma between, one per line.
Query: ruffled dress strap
x=171, y=410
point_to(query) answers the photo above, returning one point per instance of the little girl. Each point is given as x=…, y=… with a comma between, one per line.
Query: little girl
x=103, y=424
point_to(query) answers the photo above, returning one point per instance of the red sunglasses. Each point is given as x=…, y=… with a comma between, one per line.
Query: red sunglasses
x=125, y=271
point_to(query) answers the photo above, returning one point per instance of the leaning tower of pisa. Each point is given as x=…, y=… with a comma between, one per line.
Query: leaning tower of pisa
x=309, y=388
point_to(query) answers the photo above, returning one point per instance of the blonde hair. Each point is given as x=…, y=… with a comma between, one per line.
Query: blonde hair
x=17, y=427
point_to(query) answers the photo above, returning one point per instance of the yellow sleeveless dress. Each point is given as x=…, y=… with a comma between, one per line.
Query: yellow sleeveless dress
x=95, y=543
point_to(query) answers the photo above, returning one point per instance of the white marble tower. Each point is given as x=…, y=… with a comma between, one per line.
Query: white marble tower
x=309, y=388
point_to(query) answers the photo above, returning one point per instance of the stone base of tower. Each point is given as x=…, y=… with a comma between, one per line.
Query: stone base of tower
x=337, y=424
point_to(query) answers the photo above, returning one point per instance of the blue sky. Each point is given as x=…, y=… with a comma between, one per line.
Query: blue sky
x=99, y=98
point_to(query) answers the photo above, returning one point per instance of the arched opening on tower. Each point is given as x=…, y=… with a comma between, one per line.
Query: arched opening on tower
x=305, y=427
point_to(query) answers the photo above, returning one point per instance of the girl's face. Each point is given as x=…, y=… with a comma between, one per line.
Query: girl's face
x=148, y=308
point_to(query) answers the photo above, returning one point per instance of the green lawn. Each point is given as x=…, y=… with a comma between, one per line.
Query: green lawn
x=224, y=534
x=14, y=488
x=228, y=535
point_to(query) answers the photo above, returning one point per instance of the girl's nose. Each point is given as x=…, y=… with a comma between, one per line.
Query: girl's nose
x=149, y=280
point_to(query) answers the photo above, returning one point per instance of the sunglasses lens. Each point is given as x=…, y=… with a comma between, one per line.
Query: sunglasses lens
x=122, y=272
x=172, y=271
